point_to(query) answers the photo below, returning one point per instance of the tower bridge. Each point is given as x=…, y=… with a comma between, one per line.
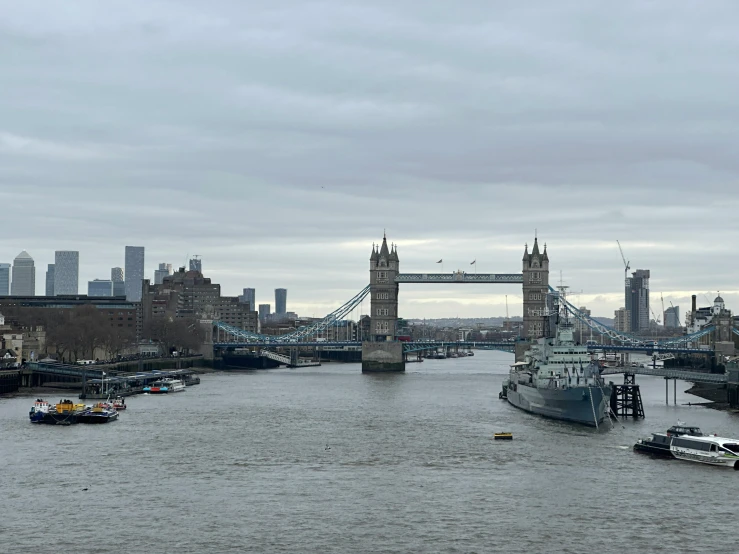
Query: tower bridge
x=382, y=352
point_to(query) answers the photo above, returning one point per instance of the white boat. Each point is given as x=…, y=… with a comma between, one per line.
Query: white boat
x=165, y=386
x=712, y=450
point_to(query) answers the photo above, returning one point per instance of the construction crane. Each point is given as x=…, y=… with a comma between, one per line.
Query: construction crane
x=627, y=267
x=663, y=304
x=657, y=319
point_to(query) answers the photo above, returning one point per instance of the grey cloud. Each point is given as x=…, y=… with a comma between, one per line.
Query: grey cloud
x=263, y=136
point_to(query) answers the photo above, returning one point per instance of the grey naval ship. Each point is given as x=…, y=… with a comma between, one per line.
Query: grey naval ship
x=557, y=378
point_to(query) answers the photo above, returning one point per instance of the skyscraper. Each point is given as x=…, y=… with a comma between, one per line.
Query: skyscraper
x=134, y=272
x=66, y=272
x=249, y=297
x=50, y=280
x=280, y=301
x=672, y=317
x=116, y=274
x=119, y=286
x=4, y=279
x=196, y=264
x=263, y=311
x=163, y=271
x=100, y=287
x=637, y=300
x=24, y=276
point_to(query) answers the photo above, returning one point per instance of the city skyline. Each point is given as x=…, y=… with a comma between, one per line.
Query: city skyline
x=463, y=135
x=492, y=296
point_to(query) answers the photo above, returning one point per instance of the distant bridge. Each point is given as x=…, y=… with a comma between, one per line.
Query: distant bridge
x=694, y=376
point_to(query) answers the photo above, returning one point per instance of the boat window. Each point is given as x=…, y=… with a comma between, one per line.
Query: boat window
x=733, y=447
x=713, y=448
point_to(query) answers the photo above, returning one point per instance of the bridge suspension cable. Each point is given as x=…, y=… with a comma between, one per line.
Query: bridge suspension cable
x=299, y=334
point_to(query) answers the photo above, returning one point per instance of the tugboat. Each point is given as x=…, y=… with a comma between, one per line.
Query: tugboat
x=99, y=413
x=65, y=412
x=558, y=379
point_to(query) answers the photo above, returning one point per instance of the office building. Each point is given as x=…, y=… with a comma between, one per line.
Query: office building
x=249, y=297
x=264, y=311
x=4, y=279
x=119, y=285
x=672, y=317
x=50, y=280
x=196, y=264
x=100, y=287
x=134, y=275
x=24, y=276
x=116, y=274
x=66, y=272
x=637, y=300
x=164, y=271
x=280, y=302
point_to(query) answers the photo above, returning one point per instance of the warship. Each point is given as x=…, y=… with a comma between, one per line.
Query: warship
x=558, y=378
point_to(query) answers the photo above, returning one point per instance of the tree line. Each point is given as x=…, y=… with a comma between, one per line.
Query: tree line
x=79, y=332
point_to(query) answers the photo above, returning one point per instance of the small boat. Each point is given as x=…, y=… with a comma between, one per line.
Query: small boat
x=119, y=403
x=191, y=380
x=712, y=450
x=503, y=436
x=99, y=413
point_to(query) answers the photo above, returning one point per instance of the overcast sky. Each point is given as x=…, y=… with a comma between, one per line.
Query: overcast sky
x=278, y=139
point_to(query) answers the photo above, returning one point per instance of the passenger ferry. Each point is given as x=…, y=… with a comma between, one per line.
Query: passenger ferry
x=164, y=386
x=712, y=450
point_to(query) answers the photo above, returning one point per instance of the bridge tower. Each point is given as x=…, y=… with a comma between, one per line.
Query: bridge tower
x=535, y=290
x=384, y=267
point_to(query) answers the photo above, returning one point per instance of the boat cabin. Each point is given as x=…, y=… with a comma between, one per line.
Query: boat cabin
x=680, y=430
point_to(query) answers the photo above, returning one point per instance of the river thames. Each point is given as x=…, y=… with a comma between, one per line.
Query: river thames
x=326, y=459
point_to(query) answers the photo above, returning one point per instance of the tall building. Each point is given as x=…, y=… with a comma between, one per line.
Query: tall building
x=163, y=271
x=384, y=266
x=622, y=320
x=134, y=272
x=4, y=279
x=672, y=317
x=66, y=272
x=280, y=301
x=535, y=289
x=249, y=297
x=196, y=264
x=119, y=285
x=24, y=276
x=50, y=280
x=264, y=311
x=637, y=299
x=100, y=287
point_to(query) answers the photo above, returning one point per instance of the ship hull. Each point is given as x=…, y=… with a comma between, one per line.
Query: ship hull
x=571, y=404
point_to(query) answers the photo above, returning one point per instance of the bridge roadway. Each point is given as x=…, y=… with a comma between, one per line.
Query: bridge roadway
x=421, y=345
x=649, y=348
